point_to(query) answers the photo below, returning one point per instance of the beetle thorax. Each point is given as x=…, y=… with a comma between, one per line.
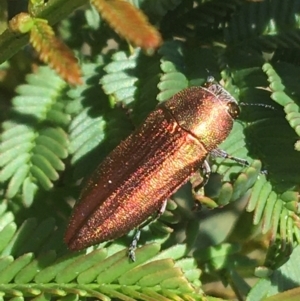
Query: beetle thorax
x=203, y=114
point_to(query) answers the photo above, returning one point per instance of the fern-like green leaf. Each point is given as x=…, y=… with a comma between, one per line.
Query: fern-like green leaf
x=284, y=279
x=276, y=214
x=94, y=122
x=291, y=107
x=34, y=143
x=119, y=82
x=81, y=273
x=172, y=63
x=265, y=25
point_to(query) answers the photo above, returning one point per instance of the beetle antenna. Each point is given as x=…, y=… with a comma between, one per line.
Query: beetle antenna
x=257, y=104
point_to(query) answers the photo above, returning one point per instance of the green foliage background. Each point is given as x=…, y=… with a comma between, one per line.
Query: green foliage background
x=53, y=135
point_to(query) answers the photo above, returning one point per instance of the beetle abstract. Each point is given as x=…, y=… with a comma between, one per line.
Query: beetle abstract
x=136, y=178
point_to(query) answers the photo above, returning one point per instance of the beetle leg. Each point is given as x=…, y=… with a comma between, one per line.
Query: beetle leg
x=199, y=180
x=220, y=153
x=137, y=234
x=133, y=245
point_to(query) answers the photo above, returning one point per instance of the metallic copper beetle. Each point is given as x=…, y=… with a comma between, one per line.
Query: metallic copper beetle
x=136, y=178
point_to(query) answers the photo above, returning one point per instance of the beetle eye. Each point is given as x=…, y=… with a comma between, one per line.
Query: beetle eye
x=233, y=109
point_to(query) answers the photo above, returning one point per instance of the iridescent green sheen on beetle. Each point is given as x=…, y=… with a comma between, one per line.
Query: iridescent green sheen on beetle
x=142, y=172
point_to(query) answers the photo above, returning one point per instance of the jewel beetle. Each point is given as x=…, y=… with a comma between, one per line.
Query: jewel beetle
x=136, y=178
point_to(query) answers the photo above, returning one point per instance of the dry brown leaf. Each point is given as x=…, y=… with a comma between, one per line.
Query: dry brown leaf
x=54, y=52
x=129, y=22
